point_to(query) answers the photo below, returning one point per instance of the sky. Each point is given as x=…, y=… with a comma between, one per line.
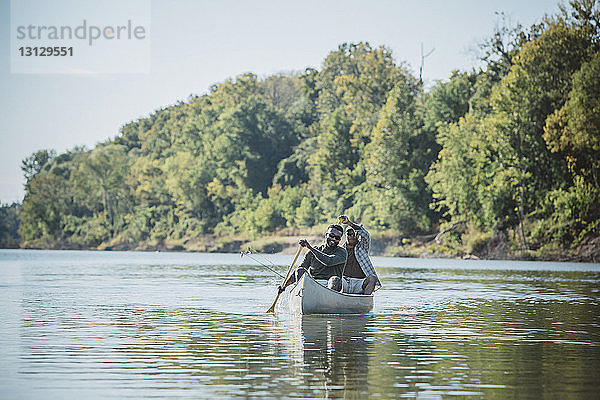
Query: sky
x=192, y=45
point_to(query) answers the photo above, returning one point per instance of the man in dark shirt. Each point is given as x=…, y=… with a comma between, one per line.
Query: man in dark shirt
x=324, y=261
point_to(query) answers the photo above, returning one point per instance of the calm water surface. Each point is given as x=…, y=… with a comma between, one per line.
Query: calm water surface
x=141, y=325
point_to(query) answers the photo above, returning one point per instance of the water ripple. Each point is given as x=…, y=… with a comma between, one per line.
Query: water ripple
x=193, y=326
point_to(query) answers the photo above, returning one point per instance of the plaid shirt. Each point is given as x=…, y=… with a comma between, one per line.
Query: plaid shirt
x=361, y=251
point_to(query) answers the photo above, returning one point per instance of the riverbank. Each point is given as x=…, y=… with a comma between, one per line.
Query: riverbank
x=467, y=245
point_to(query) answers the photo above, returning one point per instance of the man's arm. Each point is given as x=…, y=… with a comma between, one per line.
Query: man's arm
x=346, y=221
x=305, y=264
x=328, y=260
x=338, y=257
x=365, y=238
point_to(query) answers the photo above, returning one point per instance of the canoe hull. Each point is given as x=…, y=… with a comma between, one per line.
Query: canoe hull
x=310, y=297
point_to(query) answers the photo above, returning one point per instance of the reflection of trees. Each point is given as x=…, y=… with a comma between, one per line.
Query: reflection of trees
x=129, y=351
x=436, y=334
x=331, y=353
x=490, y=334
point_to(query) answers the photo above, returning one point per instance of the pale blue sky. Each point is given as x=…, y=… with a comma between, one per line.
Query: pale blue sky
x=197, y=43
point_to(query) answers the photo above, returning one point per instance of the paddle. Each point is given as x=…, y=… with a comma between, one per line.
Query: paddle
x=272, y=309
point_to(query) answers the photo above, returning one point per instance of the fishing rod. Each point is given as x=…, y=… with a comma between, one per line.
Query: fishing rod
x=251, y=250
x=249, y=254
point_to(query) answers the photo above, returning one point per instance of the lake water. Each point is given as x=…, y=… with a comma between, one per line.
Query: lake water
x=77, y=324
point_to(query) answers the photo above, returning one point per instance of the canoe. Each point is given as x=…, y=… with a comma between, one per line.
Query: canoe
x=310, y=297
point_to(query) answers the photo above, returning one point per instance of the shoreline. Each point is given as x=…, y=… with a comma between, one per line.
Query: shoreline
x=382, y=245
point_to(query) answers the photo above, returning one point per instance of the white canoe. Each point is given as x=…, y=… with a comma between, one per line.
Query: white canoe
x=310, y=297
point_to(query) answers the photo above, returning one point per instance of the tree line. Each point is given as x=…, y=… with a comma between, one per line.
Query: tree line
x=507, y=150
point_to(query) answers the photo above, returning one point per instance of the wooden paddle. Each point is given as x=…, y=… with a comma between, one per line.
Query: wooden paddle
x=272, y=309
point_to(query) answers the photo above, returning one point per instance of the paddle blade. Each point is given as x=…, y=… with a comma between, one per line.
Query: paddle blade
x=272, y=309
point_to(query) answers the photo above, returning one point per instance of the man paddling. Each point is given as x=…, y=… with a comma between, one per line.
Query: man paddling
x=359, y=276
x=323, y=261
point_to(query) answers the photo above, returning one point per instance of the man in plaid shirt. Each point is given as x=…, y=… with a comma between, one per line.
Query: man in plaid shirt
x=358, y=276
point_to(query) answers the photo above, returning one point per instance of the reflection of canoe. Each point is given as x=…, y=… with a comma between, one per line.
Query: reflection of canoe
x=332, y=352
x=310, y=297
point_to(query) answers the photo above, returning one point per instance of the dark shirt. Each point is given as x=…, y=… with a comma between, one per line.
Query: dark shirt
x=327, y=262
x=353, y=269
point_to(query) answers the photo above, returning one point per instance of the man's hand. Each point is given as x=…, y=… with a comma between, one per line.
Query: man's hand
x=346, y=221
x=304, y=243
x=280, y=289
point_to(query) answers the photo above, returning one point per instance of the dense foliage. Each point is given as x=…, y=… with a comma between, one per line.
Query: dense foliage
x=9, y=222
x=509, y=149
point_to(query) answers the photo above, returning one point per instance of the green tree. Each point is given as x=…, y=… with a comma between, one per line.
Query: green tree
x=33, y=165
x=495, y=166
x=9, y=225
x=447, y=102
x=358, y=78
x=333, y=162
x=47, y=199
x=309, y=212
x=454, y=178
x=397, y=160
x=574, y=129
x=100, y=186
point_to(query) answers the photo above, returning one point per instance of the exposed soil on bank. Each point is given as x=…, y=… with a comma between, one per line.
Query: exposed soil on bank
x=388, y=243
